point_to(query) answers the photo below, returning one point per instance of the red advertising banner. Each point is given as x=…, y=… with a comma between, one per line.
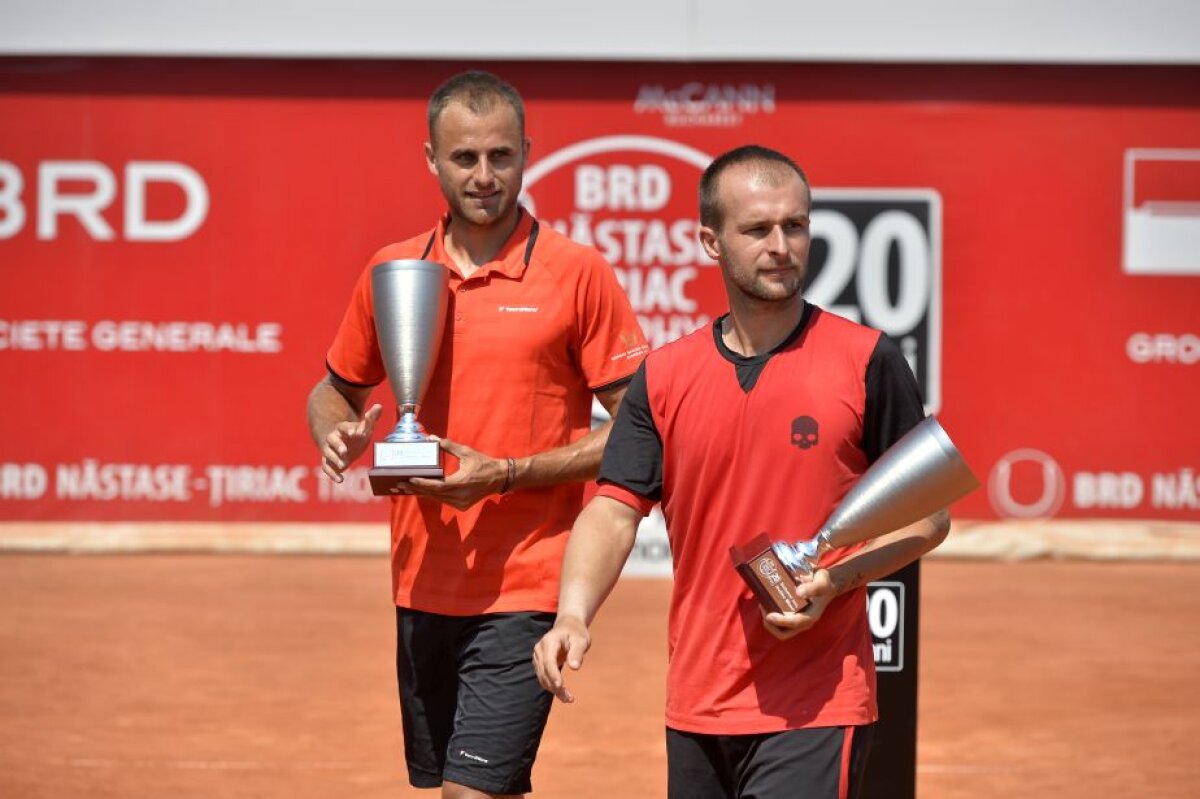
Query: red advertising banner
x=178, y=239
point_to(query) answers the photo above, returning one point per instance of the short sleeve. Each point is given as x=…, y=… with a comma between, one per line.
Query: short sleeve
x=354, y=356
x=893, y=399
x=633, y=456
x=611, y=342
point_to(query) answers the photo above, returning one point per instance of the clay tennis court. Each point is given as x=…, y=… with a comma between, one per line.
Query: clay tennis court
x=270, y=676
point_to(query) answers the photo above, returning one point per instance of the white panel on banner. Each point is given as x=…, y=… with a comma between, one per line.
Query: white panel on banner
x=1162, y=212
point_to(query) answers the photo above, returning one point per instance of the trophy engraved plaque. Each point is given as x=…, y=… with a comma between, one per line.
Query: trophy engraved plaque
x=410, y=299
x=770, y=581
x=920, y=474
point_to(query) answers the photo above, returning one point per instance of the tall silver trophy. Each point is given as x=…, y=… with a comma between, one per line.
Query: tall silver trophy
x=921, y=473
x=410, y=299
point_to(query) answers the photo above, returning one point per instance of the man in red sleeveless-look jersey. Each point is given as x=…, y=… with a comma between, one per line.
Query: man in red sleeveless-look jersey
x=775, y=705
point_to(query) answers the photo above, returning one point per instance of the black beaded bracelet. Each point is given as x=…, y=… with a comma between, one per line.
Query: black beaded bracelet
x=508, y=479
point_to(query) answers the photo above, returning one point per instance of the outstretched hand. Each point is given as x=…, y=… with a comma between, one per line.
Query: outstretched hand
x=478, y=476
x=817, y=593
x=566, y=644
x=346, y=442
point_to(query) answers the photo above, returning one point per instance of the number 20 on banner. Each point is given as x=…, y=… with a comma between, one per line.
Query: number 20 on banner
x=876, y=259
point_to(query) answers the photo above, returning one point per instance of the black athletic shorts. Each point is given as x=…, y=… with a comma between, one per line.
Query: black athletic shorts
x=817, y=763
x=472, y=708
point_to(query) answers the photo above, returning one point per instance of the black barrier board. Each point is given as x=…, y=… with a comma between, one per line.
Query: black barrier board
x=892, y=610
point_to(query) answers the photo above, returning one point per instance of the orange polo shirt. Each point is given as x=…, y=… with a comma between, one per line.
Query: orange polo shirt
x=529, y=338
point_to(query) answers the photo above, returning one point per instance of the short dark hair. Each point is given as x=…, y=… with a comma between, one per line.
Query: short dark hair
x=477, y=90
x=711, y=212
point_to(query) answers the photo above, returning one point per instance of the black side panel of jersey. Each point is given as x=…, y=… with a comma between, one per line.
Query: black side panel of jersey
x=894, y=404
x=634, y=454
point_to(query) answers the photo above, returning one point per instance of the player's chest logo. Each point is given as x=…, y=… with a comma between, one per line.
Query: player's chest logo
x=806, y=433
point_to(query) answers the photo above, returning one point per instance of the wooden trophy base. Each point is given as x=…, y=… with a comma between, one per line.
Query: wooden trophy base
x=386, y=480
x=770, y=581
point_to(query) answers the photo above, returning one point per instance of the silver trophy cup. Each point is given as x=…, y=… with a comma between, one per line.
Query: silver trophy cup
x=410, y=299
x=921, y=473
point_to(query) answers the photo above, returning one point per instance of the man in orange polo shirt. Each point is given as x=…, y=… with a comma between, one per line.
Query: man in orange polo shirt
x=537, y=326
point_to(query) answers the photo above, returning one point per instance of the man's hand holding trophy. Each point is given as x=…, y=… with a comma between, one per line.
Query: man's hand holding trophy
x=920, y=474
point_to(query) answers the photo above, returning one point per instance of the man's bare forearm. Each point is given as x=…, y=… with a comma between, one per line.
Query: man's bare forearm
x=573, y=463
x=600, y=543
x=886, y=554
x=328, y=406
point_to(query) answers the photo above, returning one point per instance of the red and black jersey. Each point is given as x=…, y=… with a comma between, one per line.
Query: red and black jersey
x=733, y=446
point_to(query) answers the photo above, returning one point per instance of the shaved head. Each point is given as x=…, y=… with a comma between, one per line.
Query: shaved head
x=480, y=93
x=767, y=167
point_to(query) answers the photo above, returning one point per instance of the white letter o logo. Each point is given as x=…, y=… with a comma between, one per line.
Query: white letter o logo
x=1054, y=486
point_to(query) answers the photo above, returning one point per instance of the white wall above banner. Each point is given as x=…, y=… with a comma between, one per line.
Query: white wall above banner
x=987, y=31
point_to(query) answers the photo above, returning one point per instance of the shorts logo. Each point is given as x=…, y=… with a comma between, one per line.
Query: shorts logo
x=469, y=756
x=805, y=432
